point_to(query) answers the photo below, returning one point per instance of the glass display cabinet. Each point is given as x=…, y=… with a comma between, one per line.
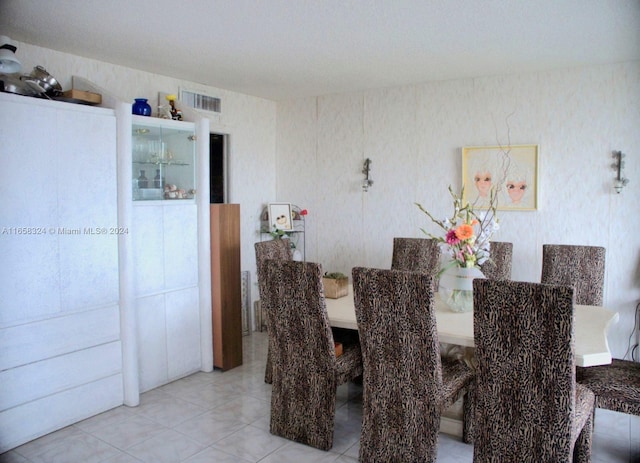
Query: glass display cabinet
x=163, y=159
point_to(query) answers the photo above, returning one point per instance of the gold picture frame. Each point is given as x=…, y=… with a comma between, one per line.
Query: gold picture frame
x=512, y=172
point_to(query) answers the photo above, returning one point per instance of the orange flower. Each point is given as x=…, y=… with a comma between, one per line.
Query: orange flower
x=474, y=222
x=464, y=232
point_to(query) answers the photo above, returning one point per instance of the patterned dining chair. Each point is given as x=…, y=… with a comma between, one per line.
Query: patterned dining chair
x=406, y=385
x=306, y=370
x=416, y=254
x=498, y=267
x=528, y=405
x=274, y=249
x=579, y=266
x=616, y=386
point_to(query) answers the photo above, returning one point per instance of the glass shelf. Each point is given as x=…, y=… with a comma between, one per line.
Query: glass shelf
x=168, y=148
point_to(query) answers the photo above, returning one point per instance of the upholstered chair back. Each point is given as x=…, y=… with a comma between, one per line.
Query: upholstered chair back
x=527, y=407
x=403, y=388
x=279, y=250
x=416, y=255
x=498, y=267
x=582, y=267
x=273, y=249
x=306, y=370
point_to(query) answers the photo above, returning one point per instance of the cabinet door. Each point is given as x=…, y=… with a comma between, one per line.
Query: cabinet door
x=163, y=159
x=152, y=342
x=29, y=199
x=165, y=246
x=87, y=192
x=183, y=332
x=180, y=243
x=147, y=228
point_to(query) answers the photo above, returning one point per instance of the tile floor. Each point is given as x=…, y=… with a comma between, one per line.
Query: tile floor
x=224, y=417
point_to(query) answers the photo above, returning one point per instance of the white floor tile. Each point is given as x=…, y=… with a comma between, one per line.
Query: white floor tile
x=168, y=447
x=209, y=427
x=250, y=443
x=296, y=453
x=210, y=455
x=132, y=431
x=223, y=417
x=81, y=447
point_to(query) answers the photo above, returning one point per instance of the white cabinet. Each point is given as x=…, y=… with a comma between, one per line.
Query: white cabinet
x=165, y=255
x=60, y=339
x=165, y=252
x=103, y=296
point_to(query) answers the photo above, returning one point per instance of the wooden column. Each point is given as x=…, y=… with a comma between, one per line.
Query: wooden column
x=226, y=291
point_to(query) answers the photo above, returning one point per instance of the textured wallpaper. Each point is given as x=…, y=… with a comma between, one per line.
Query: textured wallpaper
x=310, y=152
x=250, y=123
x=414, y=136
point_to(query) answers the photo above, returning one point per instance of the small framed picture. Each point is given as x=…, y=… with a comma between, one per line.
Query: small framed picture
x=511, y=171
x=280, y=216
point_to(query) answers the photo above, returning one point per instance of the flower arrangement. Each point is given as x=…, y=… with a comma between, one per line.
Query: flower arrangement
x=466, y=232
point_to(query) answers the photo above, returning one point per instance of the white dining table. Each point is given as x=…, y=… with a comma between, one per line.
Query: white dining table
x=591, y=324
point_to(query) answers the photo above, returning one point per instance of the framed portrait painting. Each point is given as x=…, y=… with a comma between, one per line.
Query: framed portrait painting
x=512, y=172
x=280, y=216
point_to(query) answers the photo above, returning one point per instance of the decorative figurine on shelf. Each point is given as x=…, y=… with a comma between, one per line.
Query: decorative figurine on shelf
x=164, y=111
x=173, y=192
x=176, y=114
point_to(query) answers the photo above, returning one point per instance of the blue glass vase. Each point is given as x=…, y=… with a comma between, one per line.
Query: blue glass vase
x=141, y=107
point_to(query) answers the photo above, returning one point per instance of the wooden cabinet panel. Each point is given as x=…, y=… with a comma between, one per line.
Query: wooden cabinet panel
x=226, y=291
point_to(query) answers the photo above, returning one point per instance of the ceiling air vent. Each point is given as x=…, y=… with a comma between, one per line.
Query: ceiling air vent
x=200, y=101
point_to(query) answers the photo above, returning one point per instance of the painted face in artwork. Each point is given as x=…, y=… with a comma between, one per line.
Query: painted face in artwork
x=282, y=221
x=482, y=180
x=516, y=191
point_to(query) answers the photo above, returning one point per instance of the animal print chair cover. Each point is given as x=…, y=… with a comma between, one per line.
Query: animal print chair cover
x=528, y=406
x=306, y=370
x=579, y=266
x=274, y=249
x=416, y=254
x=498, y=267
x=406, y=385
x=616, y=386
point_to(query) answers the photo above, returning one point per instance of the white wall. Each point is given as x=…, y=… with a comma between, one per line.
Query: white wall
x=250, y=121
x=414, y=134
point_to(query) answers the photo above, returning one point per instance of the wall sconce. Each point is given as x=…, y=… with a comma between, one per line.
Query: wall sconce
x=366, y=170
x=620, y=182
x=9, y=63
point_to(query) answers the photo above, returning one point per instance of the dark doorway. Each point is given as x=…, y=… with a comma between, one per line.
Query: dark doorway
x=217, y=174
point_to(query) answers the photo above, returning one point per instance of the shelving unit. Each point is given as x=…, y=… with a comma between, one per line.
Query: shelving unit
x=165, y=249
x=163, y=159
x=297, y=235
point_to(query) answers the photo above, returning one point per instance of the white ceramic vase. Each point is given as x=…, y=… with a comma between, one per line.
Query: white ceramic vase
x=456, y=287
